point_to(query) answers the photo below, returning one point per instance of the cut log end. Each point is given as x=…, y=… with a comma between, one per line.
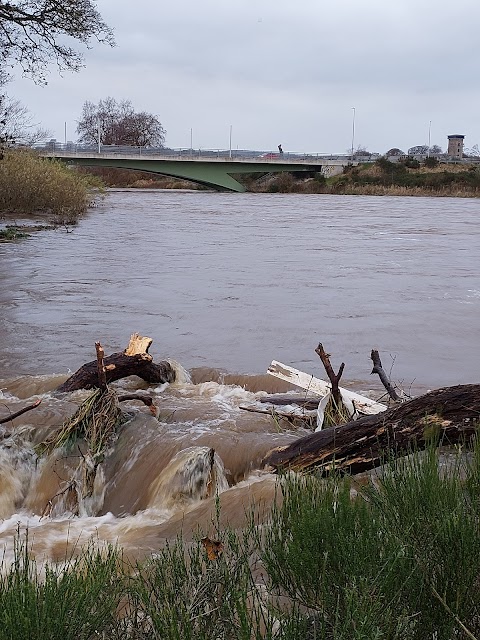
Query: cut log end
x=138, y=345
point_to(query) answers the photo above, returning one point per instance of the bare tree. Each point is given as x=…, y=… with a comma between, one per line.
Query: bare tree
x=419, y=150
x=395, y=151
x=473, y=152
x=17, y=125
x=119, y=124
x=435, y=148
x=35, y=33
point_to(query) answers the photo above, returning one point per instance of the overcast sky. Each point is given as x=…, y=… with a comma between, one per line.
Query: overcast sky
x=278, y=71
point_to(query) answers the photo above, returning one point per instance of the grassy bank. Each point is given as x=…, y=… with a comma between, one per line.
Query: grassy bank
x=33, y=185
x=396, y=559
x=380, y=178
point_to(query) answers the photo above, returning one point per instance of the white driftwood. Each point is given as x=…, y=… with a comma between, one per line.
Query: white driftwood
x=321, y=387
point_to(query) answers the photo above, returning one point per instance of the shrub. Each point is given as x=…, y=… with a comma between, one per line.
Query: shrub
x=431, y=162
x=399, y=561
x=411, y=163
x=30, y=184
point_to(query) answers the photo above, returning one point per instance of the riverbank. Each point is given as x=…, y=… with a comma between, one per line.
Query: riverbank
x=46, y=188
x=394, y=557
x=382, y=178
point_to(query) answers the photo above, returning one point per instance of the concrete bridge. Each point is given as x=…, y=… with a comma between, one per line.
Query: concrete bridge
x=210, y=168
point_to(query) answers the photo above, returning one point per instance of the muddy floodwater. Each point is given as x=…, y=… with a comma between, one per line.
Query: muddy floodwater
x=223, y=283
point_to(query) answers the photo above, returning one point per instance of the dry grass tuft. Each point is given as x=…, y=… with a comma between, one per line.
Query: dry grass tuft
x=30, y=184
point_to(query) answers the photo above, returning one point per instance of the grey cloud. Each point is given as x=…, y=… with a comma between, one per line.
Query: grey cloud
x=275, y=69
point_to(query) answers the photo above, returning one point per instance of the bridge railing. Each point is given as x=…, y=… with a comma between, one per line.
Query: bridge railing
x=70, y=148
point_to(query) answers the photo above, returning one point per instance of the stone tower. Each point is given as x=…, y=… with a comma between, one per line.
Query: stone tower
x=455, y=146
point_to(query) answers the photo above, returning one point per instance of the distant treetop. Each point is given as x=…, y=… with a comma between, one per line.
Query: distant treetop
x=119, y=124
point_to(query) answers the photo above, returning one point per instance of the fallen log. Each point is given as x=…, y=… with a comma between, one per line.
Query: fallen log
x=134, y=361
x=446, y=416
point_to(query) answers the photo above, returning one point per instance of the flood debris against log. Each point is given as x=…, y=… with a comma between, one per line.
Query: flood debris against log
x=446, y=416
x=321, y=388
x=94, y=425
x=133, y=361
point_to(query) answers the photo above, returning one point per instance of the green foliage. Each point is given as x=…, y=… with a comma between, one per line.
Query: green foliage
x=75, y=603
x=400, y=561
x=431, y=162
x=184, y=595
x=11, y=233
x=30, y=184
x=395, y=558
x=411, y=163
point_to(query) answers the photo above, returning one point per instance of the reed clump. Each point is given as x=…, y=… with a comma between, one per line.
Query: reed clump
x=30, y=184
x=395, y=557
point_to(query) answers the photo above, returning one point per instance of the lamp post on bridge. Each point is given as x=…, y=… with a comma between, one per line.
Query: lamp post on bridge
x=230, y=144
x=353, y=130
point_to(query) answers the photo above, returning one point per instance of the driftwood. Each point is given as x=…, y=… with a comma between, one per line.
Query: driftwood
x=377, y=368
x=309, y=403
x=134, y=361
x=147, y=400
x=321, y=387
x=447, y=416
x=332, y=376
x=12, y=416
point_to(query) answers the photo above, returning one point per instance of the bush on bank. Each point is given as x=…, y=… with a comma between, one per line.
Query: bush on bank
x=380, y=178
x=396, y=558
x=30, y=184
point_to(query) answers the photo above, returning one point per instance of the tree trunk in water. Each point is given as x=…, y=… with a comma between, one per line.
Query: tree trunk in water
x=446, y=416
x=134, y=361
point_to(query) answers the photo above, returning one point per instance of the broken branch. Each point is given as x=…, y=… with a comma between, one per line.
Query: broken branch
x=377, y=368
x=12, y=416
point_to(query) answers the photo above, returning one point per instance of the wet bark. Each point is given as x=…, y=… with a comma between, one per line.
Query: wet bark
x=134, y=361
x=377, y=368
x=12, y=416
x=446, y=416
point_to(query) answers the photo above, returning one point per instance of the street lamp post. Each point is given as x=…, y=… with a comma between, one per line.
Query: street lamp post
x=429, y=137
x=353, y=130
x=230, y=144
x=98, y=135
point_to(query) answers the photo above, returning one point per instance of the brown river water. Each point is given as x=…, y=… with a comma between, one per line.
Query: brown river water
x=223, y=283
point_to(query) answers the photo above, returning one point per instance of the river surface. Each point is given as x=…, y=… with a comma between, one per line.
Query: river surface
x=223, y=283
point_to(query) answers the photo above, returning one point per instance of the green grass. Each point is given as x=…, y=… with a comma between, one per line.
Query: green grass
x=76, y=602
x=11, y=233
x=401, y=560
x=397, y=558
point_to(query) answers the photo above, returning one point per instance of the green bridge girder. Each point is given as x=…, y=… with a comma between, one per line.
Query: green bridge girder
x=213, y=173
